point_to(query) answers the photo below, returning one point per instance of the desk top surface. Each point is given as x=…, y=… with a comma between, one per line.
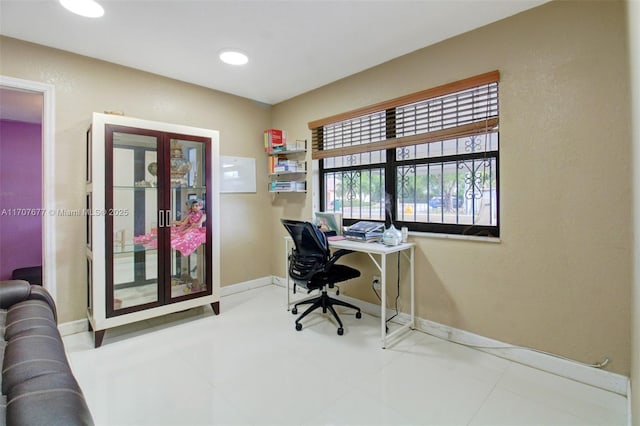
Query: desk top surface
x=369, y=247
x=365, y=247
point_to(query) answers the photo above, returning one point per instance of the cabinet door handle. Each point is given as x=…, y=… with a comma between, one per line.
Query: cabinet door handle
x=168, y=220
x=160, y=219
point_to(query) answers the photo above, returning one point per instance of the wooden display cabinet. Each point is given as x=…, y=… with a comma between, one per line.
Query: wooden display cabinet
x=144, y=179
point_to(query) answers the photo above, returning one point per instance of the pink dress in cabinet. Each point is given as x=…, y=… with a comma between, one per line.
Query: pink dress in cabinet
x=185, y=241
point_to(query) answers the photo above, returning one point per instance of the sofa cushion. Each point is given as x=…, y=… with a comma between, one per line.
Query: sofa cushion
x=31, y=327
x=29, y=356
x=3, y=320
x=30, y=309
x=3, y=344
x=27, y=317
x=3, y=409
x=52, y=399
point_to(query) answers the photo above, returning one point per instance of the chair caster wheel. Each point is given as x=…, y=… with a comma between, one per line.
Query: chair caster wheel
x=338, y=292
x=358, y=315
x=340, y=331
x=298, y=326
x=294, y=311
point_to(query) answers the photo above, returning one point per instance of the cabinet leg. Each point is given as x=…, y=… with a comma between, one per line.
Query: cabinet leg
x=216, y=307
x=98, y=335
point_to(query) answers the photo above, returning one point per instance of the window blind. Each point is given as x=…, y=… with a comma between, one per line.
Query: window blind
x=462, y=108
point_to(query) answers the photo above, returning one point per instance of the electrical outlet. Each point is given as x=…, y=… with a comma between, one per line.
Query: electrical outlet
x=376, y=283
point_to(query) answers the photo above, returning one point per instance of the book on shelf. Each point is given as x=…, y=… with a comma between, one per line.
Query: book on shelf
x=297, y=145
x=281, y=164
x=288, y=186
x=289, y=166
x=275, y=140
x=273, y=160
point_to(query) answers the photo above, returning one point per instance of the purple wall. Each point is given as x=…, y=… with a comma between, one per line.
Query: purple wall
x=20, y=189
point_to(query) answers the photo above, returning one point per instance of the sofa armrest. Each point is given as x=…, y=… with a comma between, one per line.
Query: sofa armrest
x=15, y=291
x=40, y=293
x=12, y=292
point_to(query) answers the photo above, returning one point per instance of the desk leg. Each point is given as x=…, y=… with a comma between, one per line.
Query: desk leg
x=413, y=290
x=383, y=306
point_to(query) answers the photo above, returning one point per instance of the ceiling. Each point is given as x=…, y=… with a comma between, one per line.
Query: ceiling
x=294, y=46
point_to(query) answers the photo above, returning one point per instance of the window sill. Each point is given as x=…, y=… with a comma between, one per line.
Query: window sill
x=454, y=237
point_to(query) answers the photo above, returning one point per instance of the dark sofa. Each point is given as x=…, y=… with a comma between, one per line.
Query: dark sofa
x=38, y=387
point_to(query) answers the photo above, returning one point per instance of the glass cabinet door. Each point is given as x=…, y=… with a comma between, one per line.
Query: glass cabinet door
x=190, y=241
x=133, y=215
x=157, y=217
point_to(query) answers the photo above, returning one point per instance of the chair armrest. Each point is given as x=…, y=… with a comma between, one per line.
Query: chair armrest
x=16, y=291
x=335, y=256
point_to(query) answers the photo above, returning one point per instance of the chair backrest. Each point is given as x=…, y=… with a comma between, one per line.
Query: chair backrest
x=311, y=251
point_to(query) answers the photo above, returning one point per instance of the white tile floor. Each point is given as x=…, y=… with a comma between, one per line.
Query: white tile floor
x=249, y=366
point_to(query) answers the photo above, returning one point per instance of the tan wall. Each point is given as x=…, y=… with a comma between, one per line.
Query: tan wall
x=560, y=278
x=84, y=85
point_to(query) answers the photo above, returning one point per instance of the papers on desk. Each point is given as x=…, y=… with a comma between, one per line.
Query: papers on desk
x=365, y=231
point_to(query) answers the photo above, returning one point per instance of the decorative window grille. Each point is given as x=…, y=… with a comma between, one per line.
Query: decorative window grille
x=428, y=161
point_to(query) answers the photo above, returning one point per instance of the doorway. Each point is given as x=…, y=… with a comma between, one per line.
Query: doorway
x=28, y=206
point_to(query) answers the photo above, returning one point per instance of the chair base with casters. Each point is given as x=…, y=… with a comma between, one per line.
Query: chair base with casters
x=325, y=302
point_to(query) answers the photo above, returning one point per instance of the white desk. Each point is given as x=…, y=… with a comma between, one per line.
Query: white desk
x=371, y=249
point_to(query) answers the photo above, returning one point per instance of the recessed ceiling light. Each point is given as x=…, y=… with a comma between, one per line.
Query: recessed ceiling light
x=86, y=8
x=233, y=57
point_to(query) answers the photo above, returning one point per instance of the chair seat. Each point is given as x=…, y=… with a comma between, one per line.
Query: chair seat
x=342, y=273
x=336, y=274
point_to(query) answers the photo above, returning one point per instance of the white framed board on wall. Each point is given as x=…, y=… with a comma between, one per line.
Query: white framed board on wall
x=237, y=174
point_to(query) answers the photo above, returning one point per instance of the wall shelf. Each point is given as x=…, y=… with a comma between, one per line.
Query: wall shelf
x=287, y=170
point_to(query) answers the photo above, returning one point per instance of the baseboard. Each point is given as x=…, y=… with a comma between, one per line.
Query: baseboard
x=279, y=281
x=245, y=286
x=73, y=327
x=546, y=362
x=527, y=356
x=629, y=405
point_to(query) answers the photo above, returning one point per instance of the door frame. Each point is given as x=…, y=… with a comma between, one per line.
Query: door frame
x=49, y=270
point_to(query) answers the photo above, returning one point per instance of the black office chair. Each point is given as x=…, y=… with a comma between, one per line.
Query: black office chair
x=312, y=266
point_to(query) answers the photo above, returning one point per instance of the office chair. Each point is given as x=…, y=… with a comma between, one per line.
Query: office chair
x=312, y=267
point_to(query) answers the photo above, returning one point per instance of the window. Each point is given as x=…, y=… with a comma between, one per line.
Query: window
x=428, y=161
